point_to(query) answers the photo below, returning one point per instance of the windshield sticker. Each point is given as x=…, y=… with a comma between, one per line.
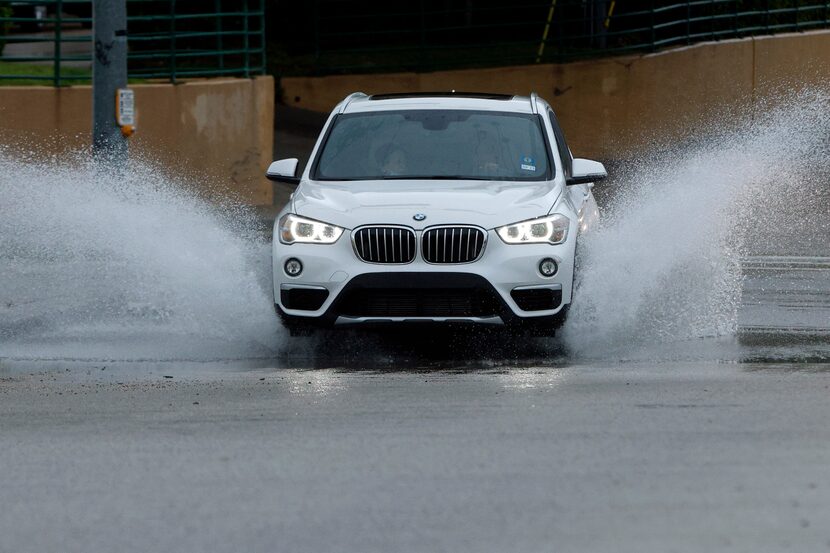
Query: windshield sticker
x=528, y=164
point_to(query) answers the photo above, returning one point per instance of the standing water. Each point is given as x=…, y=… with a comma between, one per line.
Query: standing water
x=138, y=267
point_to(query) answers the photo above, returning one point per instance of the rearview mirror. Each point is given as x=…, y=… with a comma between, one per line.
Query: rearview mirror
x=585, y=171
x=284, y=170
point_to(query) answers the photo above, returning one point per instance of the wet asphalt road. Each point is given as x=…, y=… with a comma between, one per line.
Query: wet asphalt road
x=622, y=457
x=386, y=443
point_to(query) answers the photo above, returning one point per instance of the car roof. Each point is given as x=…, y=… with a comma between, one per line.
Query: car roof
x=437, y=100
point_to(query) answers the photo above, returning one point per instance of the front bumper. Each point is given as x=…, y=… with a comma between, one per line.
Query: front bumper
x=503, y=286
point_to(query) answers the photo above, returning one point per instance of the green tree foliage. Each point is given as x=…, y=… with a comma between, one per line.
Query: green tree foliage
x=364, y=36
x=5, y=24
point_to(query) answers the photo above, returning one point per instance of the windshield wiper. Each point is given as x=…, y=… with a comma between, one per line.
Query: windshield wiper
x=432, y=177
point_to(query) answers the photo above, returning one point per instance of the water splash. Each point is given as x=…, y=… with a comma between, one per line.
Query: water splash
x=130, y=265
x=138, y=266
x=665, y=264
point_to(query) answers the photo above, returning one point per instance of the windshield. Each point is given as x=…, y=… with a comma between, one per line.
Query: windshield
x=434, y=144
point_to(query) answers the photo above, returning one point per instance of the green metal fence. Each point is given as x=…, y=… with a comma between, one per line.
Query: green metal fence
x=50, y=41
x=423, y=35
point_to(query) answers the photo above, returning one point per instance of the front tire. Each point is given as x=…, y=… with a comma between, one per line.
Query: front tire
x=560, y=318
x=539, y=327
x=296, y=326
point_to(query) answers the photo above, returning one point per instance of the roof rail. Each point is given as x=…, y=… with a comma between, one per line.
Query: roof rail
x=533, y=98
x=345, y=103
x=444, y=94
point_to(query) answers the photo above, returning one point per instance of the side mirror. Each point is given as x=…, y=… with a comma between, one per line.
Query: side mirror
x=585, y=171
x=284, y=170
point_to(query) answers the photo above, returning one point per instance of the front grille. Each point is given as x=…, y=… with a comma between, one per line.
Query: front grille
x=385, y=244
x=452, y=244
x=414, y=302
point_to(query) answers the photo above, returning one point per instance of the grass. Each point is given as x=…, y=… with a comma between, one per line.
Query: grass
x=69, y=75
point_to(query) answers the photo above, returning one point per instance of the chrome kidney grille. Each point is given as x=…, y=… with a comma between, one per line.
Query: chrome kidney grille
x=452, y=244
x=393, y=245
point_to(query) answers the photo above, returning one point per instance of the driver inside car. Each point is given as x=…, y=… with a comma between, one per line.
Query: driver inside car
x=392, y=160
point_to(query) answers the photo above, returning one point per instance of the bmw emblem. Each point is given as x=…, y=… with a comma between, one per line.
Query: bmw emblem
x=419, y=216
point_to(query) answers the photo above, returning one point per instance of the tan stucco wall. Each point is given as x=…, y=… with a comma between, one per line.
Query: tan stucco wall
x=613, y=107
x=218, y=131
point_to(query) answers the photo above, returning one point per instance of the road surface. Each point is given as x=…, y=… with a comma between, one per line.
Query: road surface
x=437, y=444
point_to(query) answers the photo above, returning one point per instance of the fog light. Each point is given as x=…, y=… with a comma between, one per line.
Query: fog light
x=293, y=267
x=548, y=267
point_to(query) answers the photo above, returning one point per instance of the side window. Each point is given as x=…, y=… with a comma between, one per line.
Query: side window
x=561, y=144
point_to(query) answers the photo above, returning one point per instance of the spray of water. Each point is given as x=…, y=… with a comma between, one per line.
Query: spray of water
x=665, y=264
x=136, y=266
x=129, y=265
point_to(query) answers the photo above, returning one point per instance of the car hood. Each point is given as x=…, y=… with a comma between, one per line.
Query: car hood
x=488, y=204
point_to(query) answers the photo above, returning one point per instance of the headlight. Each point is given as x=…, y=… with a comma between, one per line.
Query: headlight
x=307, y=231
x=552, y=229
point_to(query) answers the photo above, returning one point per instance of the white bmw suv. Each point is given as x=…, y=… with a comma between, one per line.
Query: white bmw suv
x=441, y=208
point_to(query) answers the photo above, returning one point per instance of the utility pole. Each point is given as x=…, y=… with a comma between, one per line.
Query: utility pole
x=109, y=81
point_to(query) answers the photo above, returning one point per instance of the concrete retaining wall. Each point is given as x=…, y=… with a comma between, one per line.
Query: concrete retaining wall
x=221, y=129
x=614, y=107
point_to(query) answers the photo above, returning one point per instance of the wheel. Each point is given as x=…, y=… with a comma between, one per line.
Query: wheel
x=560, y=318
x=533, y=327
x=296, y=326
